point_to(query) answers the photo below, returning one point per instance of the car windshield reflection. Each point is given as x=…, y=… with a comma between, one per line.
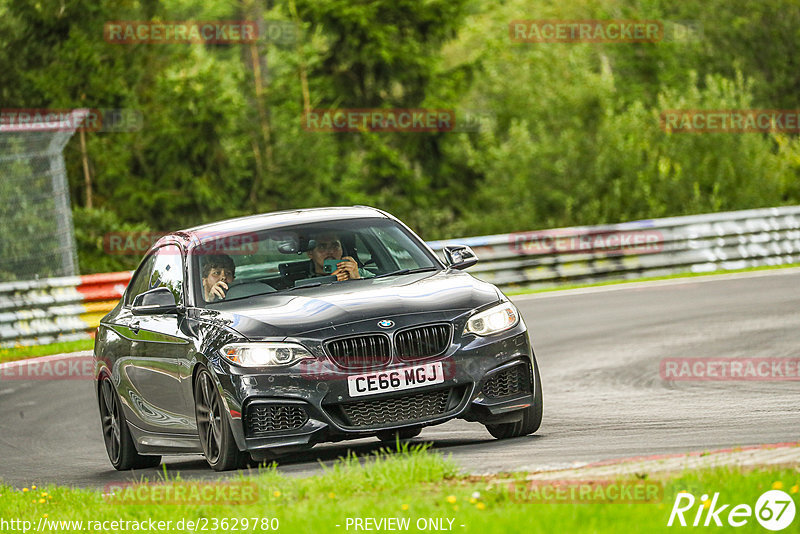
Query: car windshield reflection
x=239, y=266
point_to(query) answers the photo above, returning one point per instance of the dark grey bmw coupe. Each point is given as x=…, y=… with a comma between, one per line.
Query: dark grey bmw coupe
x=259, y=336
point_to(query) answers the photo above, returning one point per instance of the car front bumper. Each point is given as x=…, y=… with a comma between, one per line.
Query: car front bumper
x=310, y=402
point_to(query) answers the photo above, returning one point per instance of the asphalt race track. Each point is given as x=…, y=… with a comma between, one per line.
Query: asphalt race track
x=599, y=353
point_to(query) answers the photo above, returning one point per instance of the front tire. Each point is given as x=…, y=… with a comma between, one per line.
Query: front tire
x=213, y=427
x=117, y=436
x=531, y=416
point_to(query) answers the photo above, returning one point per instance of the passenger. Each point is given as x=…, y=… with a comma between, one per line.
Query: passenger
x=218, y=271
x=328, y=246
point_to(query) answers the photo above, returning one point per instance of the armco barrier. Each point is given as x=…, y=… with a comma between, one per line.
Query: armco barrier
x=657, y=247
x=60, y=309
x=57, y=309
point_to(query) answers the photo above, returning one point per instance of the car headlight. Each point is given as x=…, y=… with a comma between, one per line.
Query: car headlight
x=494, y=320
x=265, y=354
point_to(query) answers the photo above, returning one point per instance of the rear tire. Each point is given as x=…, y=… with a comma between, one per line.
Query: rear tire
x=531, y=416
x=403, y=433
x=213, y=427
x=117, y=436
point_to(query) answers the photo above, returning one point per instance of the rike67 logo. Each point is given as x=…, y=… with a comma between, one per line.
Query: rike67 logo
x=774, y=510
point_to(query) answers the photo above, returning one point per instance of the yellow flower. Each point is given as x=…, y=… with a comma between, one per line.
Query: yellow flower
x=404, y=507
x=473, y=500
x=706, y=504
x=44, y=515
x=33, y=487
x=795, y=489
x=24, y=490
x=455, y=508
x=331, y=495
x=777, y=485
x=41, y=501
x=276, y=493
x=480, y=506
x=49, y=496
x=451, y=499
x=44, y=494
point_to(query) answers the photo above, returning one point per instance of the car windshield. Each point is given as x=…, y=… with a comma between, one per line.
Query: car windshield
x=233, y=266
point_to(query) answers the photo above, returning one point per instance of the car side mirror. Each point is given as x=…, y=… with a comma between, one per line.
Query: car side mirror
x=459, y=256
x=156, y=301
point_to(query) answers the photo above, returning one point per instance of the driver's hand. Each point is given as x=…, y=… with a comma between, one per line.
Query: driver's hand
x=218, y=291
x=349, y=266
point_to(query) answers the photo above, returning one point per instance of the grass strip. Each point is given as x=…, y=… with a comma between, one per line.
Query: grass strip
x=20, y=353
x=417, y=487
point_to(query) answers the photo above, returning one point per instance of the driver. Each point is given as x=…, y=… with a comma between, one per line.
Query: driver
x=218, y=271
x=328, y=246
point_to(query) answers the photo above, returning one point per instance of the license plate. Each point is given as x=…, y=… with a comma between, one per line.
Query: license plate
x=395, y=380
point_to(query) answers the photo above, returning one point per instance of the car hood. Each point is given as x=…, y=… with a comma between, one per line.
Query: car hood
x=302, y=311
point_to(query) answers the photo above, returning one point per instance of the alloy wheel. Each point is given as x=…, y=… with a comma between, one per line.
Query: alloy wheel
x=209, y=418
x=111, y=421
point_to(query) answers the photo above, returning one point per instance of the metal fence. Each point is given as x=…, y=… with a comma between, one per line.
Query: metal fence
x=36, y=234
x=655, y=247
x=44, y=311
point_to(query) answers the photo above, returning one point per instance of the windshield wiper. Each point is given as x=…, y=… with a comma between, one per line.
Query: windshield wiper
x=406, y=271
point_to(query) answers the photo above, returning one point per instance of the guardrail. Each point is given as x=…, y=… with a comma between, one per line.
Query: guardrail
x=63, y=309
x=656, y=247
x=44, y=311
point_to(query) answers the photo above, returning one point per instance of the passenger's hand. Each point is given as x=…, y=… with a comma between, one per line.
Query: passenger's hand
x=349, y=265
x=218, y=291
x=340, y=275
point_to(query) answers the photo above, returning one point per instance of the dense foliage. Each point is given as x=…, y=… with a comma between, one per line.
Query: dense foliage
x=570, y=133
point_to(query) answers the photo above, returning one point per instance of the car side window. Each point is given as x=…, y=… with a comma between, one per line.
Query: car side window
x=168, y=271
x=141, y=280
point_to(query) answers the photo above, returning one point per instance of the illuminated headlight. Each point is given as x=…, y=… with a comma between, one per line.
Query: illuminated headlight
x=265, y=354
x=494, y=320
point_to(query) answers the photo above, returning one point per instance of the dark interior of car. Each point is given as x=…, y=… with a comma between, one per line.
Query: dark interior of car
x=292, y=273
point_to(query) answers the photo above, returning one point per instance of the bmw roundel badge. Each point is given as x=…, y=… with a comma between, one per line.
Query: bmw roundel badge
x=386, y=323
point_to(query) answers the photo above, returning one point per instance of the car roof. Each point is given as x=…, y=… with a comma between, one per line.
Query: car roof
x=282, y=218
x=275, y=219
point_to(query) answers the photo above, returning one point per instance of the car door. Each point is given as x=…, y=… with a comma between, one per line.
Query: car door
x=159, y=351
x=125, y=326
